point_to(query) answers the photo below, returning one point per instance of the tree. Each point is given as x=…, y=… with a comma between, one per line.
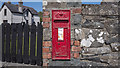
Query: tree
x=40, y=15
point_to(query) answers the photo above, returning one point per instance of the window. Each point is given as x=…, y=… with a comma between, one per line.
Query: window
x=5, y=12
x=5, y=21
x=32, y=15
x=27, y=13
x=27, y=21
x=32, y=18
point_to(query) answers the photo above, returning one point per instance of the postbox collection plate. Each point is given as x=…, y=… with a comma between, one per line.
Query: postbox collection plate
x=61, y=34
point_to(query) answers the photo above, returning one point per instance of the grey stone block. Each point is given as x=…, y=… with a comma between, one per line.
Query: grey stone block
x=59, y=63
x=111, y=40
x=46, y=34
x=72, y=34
x=100, y=50
x=112, y=26
x=74, y=4
x=96, y=36
x=76, y=19
x=96, y=44
x=95, y=18
x=56, y=5
x=115, y=47
x=86, y=31
x=111, y=58
x=53, y=5
x=92, y=25
x=75, y=62
x=98, y=25
x=109, y=8
x=75, y=26
x=79, y=34
x=97, y=32
x=92, y=10
x=87, y=24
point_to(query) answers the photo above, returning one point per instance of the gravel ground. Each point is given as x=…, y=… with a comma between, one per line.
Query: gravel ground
x=6, y=64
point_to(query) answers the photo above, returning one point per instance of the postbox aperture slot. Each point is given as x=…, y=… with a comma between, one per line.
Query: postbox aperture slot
x=61, y=21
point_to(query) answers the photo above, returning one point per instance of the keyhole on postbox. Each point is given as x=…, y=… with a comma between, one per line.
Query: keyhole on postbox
x=58, y=43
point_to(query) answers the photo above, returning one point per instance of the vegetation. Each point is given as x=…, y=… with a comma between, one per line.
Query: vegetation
x=40, y=15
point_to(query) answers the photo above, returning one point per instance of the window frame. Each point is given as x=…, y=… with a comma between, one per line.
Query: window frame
x=5, y=12
x=5, y=21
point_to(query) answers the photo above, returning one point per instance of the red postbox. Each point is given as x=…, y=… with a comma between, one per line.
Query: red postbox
x=61, y=34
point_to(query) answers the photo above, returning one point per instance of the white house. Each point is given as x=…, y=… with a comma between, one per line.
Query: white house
x=10, y=13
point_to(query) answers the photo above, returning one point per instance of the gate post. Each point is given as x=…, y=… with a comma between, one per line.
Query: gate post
x=13, y=42
x=3, y=40
x=26, y=43
x=7, y=54
x=0, y=45
x=19, y=44
x=39, y=44
x=32, y=43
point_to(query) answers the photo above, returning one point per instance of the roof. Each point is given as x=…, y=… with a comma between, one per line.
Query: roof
x=14, y=8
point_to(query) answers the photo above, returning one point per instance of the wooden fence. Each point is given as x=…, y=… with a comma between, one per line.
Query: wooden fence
x=22, y=43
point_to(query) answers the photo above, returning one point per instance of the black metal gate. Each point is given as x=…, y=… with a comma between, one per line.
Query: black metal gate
x=22, y=43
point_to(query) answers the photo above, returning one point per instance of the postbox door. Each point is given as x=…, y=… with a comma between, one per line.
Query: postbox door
x=61, y=44
x=60, y=40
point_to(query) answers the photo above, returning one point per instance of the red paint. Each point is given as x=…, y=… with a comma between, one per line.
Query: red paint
x=61, y=48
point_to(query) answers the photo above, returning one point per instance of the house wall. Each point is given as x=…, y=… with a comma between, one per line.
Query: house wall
x=36, y=19
x=8, y=17
x=0, y=18
x=17, y=18
x=29, y=18
x=93, y=42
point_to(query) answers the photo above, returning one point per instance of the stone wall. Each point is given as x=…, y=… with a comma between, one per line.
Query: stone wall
x=94, y=34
